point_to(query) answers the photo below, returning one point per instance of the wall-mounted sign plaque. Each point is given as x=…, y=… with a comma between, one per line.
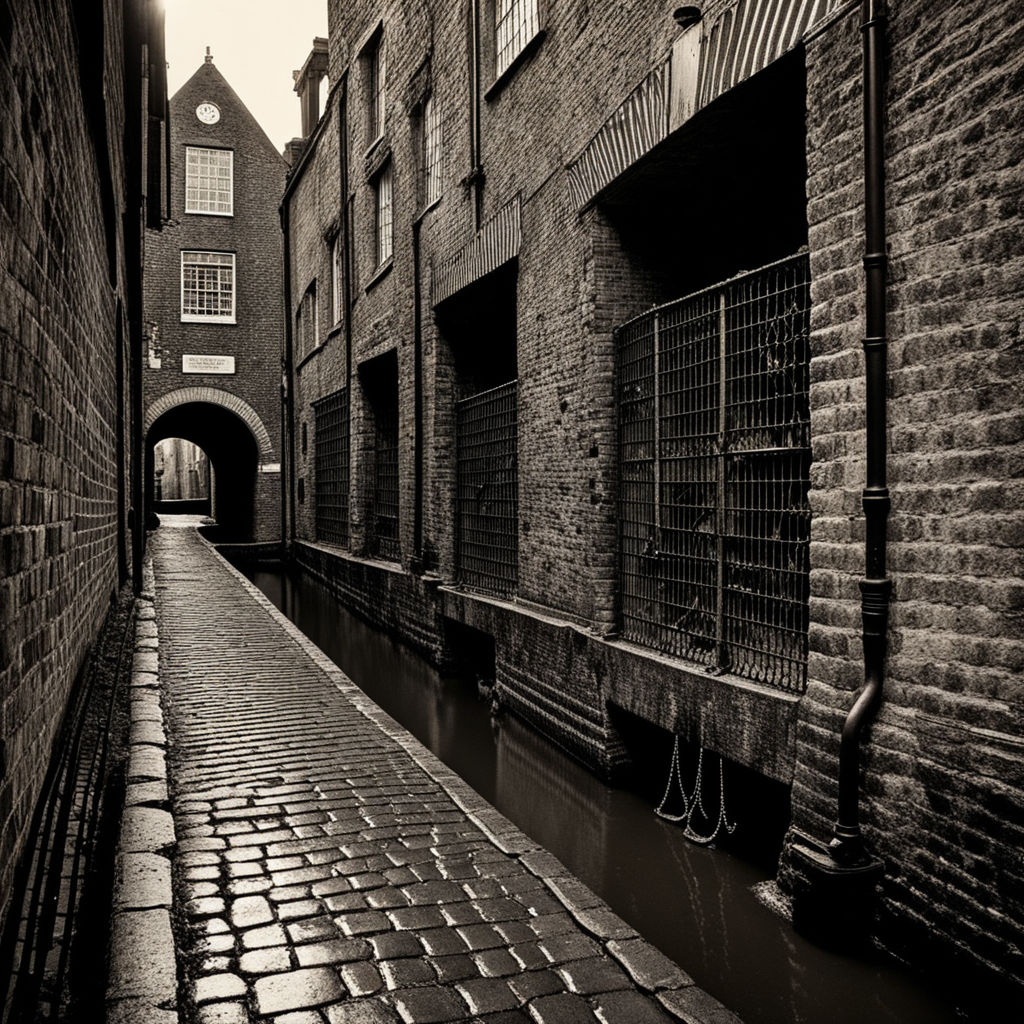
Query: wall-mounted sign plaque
x=207, y=364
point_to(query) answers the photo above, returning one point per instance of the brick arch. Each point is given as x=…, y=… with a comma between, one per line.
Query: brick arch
x=245, y=412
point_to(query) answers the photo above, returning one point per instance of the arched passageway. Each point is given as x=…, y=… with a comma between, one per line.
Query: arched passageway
x=234, y=460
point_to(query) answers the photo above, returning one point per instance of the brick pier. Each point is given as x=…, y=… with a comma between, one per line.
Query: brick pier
x=328, y=868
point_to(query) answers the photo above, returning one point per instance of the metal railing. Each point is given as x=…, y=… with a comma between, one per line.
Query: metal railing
x=487, y=501
x=331, y=467
x=383, y=518
x=714, y=435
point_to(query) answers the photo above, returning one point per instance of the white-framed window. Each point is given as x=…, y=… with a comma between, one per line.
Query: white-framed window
x=385, y=215
x=432, y=188
x=209, y=181
x=208, y=287
x=516, y=22
x=336, y=279
x=376, y=57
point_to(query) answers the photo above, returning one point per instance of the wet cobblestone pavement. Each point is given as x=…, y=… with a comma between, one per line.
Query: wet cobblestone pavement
x=327, y=868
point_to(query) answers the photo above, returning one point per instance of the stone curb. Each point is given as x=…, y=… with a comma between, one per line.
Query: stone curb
x=649, y=968
x=142, y=980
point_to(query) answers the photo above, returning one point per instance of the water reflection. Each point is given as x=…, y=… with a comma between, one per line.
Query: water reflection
x=693, y=903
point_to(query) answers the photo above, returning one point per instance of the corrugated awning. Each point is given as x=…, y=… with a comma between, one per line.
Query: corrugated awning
x=747, y=37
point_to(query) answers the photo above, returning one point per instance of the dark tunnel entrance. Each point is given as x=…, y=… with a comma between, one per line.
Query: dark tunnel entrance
x=233, y=460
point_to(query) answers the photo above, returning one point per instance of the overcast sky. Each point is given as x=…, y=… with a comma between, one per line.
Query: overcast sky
x=256, y=44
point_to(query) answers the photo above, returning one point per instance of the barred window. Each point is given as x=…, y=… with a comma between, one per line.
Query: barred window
x=209, y=180
x=376, y=57
x=516, y=23
x=431, y=152
x=714, y=435
x=336, y=279
x=208, y=287
x=331, y=460
x=385, y=215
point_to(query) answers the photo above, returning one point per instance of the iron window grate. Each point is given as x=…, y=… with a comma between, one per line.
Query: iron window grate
x=383, y=518
x=714, y=525
x=331, y=466
x=487, y=501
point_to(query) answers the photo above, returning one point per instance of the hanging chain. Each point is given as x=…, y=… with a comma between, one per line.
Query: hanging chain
x=694, y=802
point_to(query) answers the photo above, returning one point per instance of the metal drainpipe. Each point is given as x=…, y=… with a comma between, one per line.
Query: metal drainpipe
x=475, y=176
x=346, y=229
x=417, y=378
x=287, y=387
x=847, y=846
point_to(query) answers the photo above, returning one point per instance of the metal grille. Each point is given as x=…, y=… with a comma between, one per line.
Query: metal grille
x=331, y=462
x=516, y=23
x=383, y=519
x=487, y=504
x=715, y=457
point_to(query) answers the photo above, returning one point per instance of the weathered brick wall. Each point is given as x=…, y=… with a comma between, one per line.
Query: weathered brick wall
x=59, y=389
x=253, y=233
x=942, y=797
x=314, y=210
x=941, y=761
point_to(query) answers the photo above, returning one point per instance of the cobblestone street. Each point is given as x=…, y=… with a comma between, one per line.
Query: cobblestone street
x=328, y=868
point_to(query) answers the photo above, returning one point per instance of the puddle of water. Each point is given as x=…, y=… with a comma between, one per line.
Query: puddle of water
x=693, y=903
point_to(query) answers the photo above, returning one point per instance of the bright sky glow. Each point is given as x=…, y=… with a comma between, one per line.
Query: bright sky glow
x=255, y=44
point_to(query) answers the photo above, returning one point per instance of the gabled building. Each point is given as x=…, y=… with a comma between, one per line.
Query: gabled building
x=214, y=305
x=632, y=322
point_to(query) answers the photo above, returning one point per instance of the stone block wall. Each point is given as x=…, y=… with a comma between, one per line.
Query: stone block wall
x=942, y=797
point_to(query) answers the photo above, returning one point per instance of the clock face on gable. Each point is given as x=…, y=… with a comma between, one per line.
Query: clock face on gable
x=208, y=113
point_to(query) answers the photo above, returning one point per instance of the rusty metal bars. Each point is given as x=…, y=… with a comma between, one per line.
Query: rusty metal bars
x=331, y=467
x=714, y=461
x=487, y=501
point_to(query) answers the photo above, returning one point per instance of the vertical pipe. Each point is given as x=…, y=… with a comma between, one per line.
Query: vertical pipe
x=417, y=383
x=346, y=277
x=288, y=390
x=475, y=176
x=847, y=846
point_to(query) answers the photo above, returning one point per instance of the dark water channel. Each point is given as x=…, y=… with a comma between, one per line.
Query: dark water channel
x=693, y=903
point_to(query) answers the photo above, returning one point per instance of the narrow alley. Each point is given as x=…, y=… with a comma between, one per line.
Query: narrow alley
x=327, y=861
x=511, y=512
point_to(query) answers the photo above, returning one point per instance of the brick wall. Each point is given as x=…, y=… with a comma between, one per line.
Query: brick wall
x=951, y=706
x=253, y=233
x=64, y=313
x=942, y=791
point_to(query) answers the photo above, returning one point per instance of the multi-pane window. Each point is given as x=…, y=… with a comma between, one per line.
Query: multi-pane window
x=209, y=181
x=208, y=286
x=376, y=57
x=385, y=215
x=431, y=152
x=516, y=22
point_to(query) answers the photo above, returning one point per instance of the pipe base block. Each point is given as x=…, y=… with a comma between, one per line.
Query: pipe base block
x=833, y=904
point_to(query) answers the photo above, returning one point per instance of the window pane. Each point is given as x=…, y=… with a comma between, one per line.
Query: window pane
x=431, y=152
x=208, y=285
x=208, y=181
x=516, y=23
x=384, y=216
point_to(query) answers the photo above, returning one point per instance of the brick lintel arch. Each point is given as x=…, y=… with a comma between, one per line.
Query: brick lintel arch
x=245, y=412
